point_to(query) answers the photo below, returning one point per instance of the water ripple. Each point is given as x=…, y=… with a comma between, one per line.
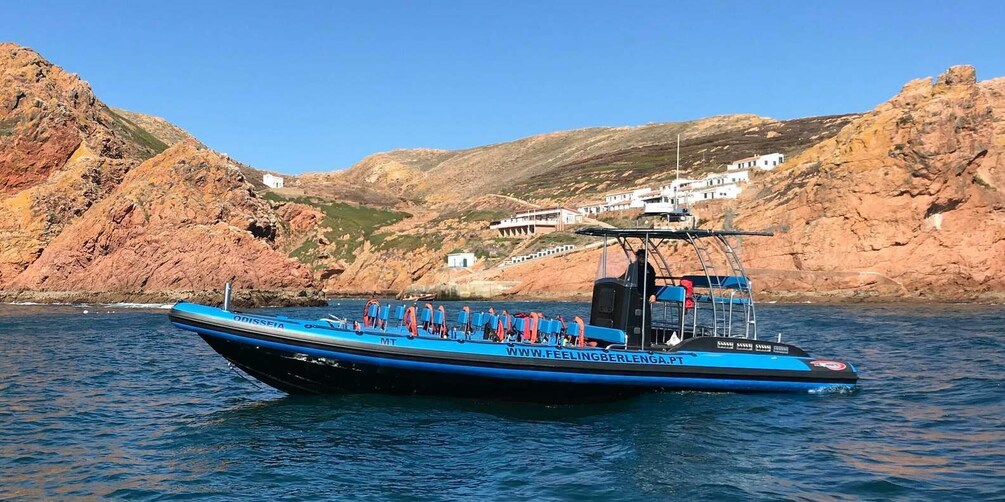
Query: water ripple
x=119, y=404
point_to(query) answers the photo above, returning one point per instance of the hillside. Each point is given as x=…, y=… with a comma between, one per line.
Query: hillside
x=183, y=220
x=907, y=201
x=164, y=131
x=90, y=201
x=453, y=195
x=61, y=151
x=904, y=201
x=579, y=163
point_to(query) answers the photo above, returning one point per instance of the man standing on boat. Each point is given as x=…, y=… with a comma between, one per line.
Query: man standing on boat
x=645, y=276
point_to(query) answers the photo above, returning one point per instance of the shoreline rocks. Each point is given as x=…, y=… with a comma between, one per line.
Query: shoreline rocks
x=241, y=298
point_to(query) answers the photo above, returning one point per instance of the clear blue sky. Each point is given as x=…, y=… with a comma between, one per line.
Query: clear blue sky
x=311, y=86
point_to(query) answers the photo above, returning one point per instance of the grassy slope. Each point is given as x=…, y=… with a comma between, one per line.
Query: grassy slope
x=655, y=163
x=346, y=226
x=137, y=134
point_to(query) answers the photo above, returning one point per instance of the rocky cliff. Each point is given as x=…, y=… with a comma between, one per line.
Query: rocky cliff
x=61, y=150
x=183, y=220
x=91, y=201
x=903, y=201
x=908, y=200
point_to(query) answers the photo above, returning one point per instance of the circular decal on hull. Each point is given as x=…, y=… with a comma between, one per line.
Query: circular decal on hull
x=831, y=365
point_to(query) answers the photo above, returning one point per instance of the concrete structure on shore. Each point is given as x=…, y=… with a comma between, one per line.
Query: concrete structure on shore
x=540, y=254
x=461, y=260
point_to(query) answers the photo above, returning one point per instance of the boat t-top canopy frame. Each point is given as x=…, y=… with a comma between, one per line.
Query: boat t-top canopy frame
x=662, y=233
x=722, y=292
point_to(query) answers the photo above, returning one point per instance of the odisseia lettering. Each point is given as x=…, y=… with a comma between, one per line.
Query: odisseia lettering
x=594, y=356
x=258, y=322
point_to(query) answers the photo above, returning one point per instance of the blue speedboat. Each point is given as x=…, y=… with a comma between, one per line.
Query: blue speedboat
x=649, y=330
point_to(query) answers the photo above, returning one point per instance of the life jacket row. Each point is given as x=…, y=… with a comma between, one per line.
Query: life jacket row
x=528, y=327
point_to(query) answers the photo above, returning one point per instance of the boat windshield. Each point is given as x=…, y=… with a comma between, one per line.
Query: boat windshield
x=614, y=263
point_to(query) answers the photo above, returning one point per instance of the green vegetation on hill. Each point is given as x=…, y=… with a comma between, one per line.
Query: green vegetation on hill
x=405, y=242
x=474, y=215
x=346, y=226
x=137, y=134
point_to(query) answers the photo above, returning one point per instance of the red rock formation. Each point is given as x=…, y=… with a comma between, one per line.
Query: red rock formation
x=907, y=200
x=300, y=217
x=61, y=150
x=45, y=114
x=183, y=220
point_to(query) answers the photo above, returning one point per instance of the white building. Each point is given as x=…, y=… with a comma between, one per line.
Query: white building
x=622, y=201
x=594, y=208
x=460, y=260
x=762, y=162
x=272, y=181
x=738, y=176
x=683, y=193
x=538, y=221
x=715, y=192
x=619, y=198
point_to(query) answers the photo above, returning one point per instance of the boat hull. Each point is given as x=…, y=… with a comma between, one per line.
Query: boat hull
x=304, y=357
x=295, y=372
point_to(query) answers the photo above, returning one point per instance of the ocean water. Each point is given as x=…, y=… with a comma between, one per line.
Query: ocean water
x=117, y=403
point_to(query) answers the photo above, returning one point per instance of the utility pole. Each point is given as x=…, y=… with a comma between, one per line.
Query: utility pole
x=678, y=157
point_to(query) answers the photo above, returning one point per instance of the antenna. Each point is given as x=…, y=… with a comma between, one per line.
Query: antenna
x=678, y=157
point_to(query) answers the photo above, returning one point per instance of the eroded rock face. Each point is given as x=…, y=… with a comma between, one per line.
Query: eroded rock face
x=78, y=211
x=183, y=220
x=907, y=200
x=61, y=150
x=45, y=115
x=300, y=217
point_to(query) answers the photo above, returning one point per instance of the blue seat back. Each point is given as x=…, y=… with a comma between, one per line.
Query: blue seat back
x=425, y=316
x=477, y=320
x=573, y=329
x=437, y=317
x=722, y=281
x=671, y=294
x=609, y=335
x=545, y=326
x=399, y=312
x=519, y=323
x=462, y=318
x=372, y=310
x=384, y=312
